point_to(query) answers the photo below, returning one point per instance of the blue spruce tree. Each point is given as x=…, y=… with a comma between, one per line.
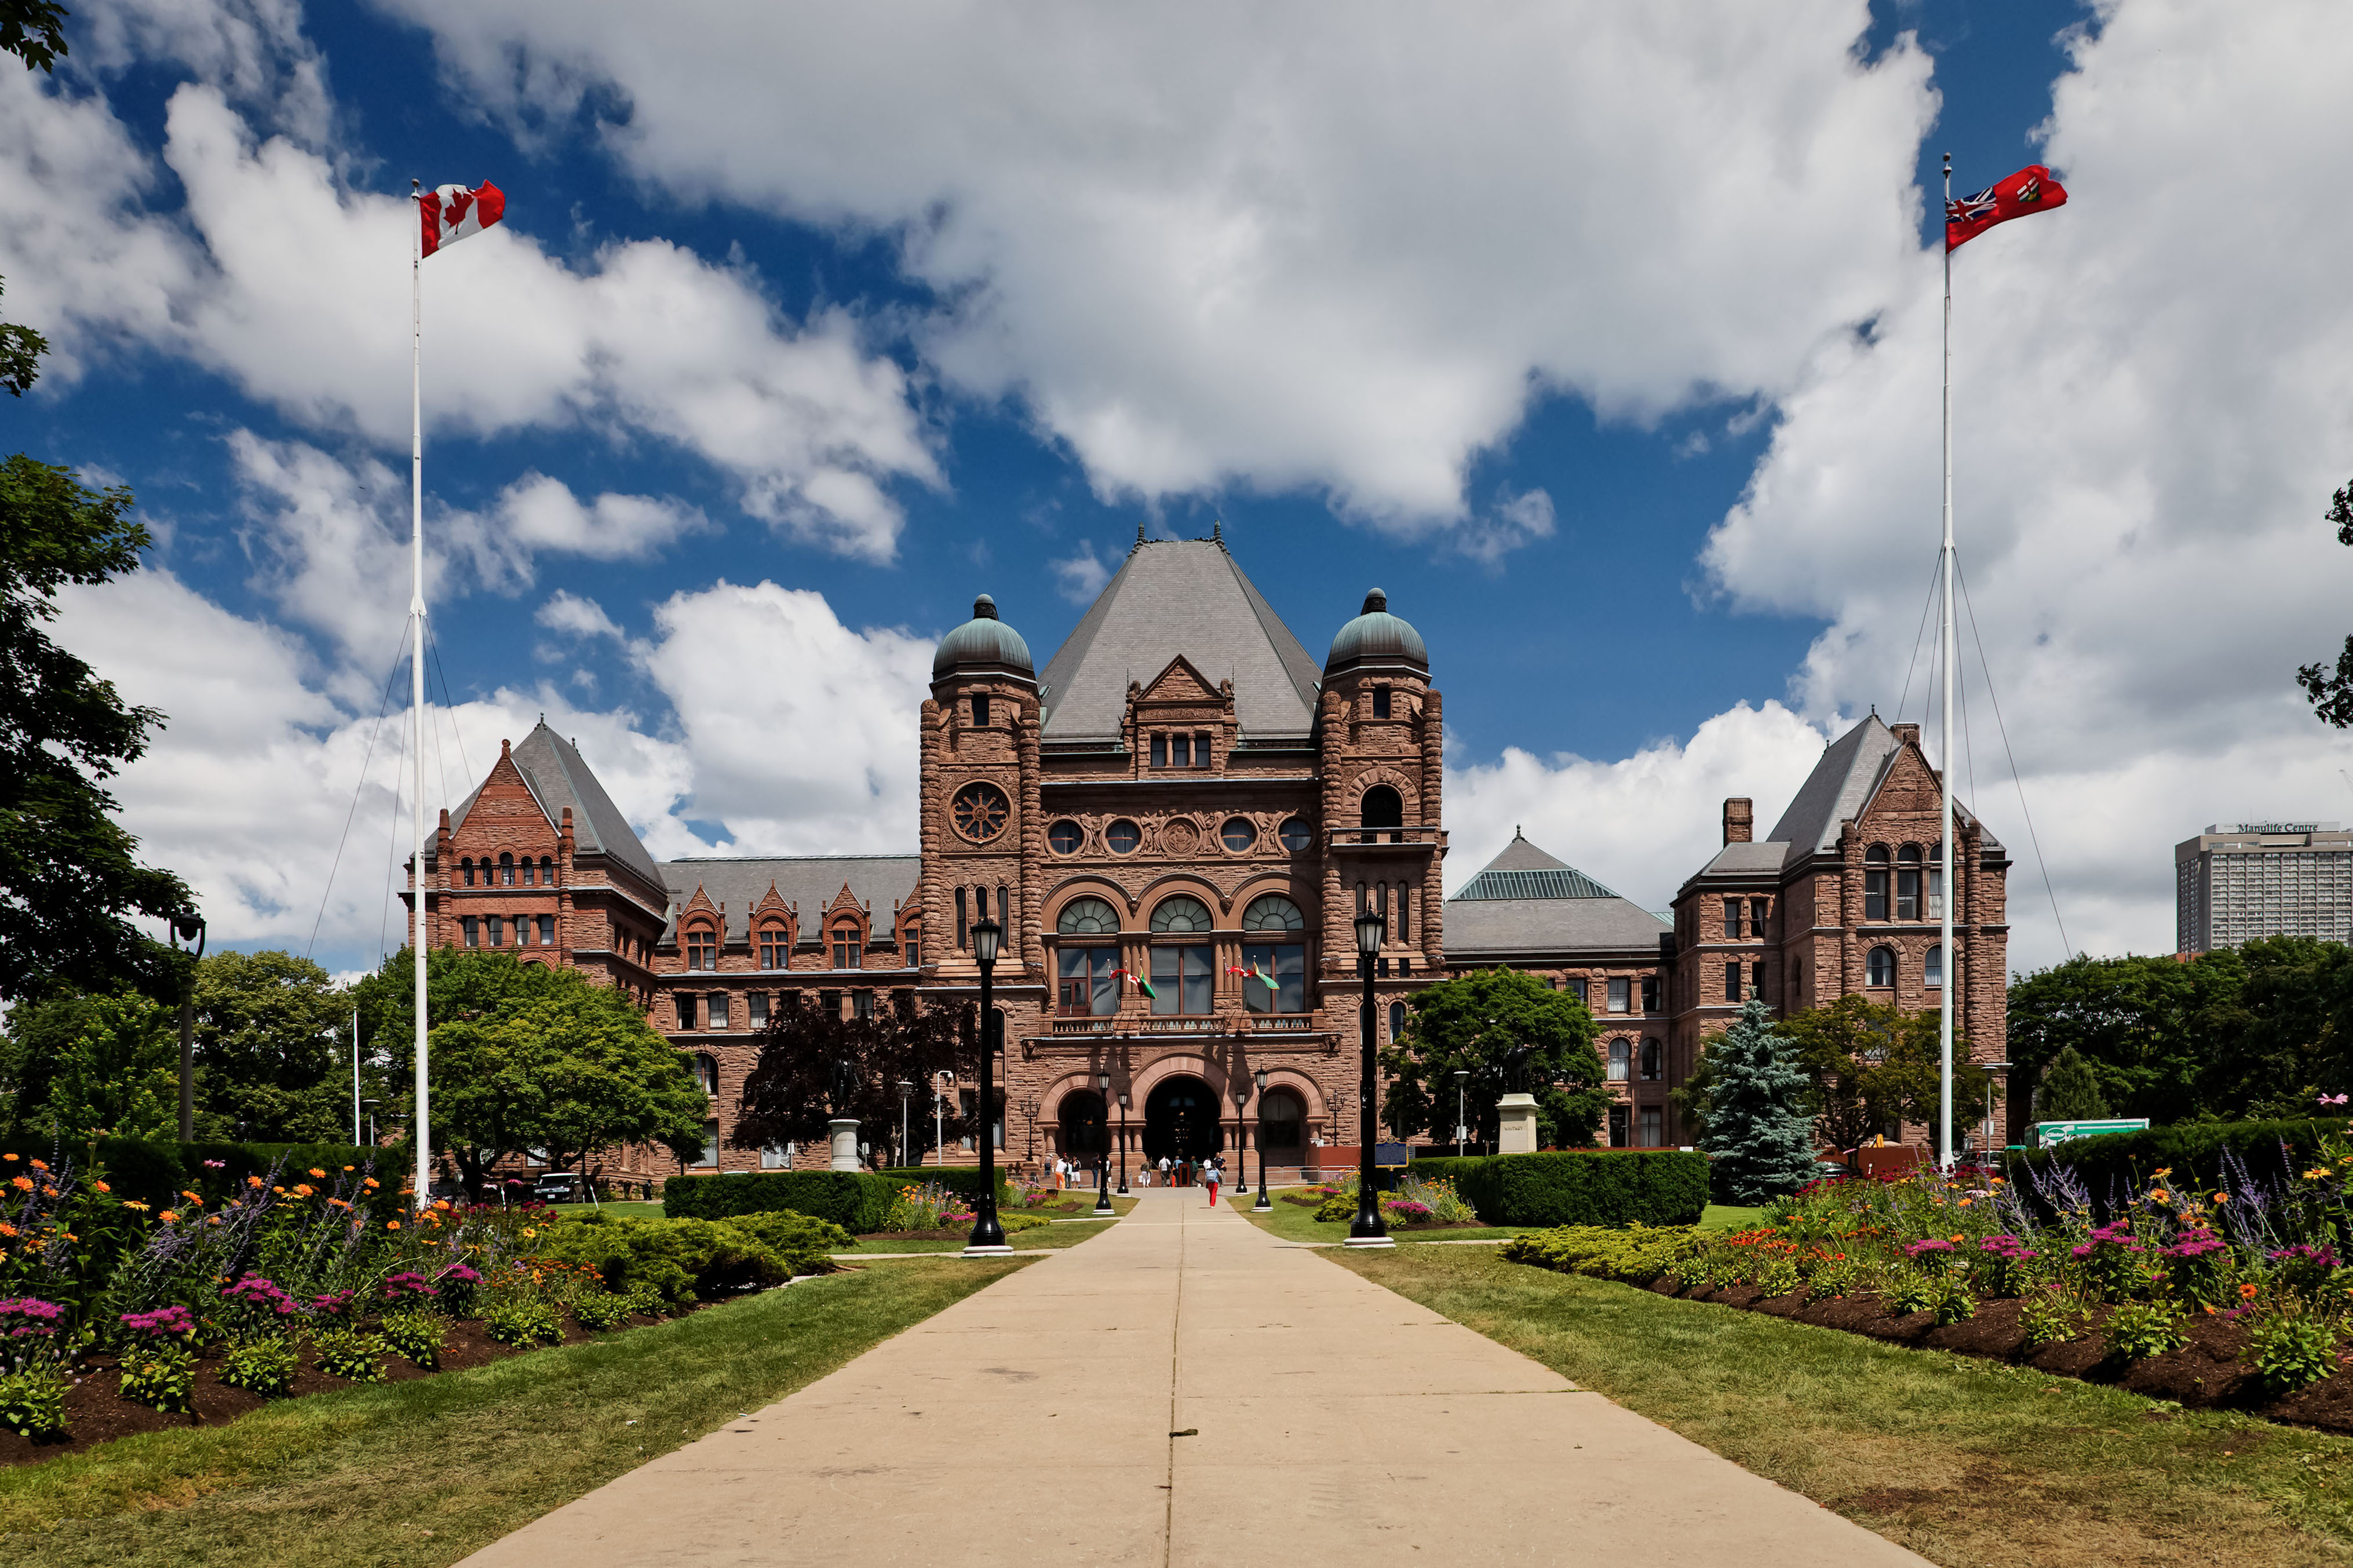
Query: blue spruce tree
x=1758, y=1130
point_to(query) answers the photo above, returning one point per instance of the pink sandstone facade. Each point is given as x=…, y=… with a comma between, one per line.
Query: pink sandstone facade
x=1184, y=794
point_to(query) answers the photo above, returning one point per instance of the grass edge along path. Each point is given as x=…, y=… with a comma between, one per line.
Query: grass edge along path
x=1297, y=1223
x=419, y=1474
x=1972, y=1464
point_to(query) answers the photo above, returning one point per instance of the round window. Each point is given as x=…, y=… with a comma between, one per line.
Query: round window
x=1296, y=835
x=1238, y=833
x=980, y=812
x=1066, y=837
x=1272, y=912
x=1122, y=837
x=1181, y=914
x=1086, y=916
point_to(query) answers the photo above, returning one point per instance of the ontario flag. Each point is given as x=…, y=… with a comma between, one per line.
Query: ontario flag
x=2031, y=190
x=450, y=213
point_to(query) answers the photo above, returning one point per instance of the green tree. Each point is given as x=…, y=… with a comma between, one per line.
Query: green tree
x=272, y=1050
x=83, y=1066
x=816, y=1065
x=2331, y=692
x=2145, y=1026
x=1759, y=1131
x=33, y=31
x=554, y=1063
x=1505, y=1029
x=2071, y=1090
x=1872, y=1065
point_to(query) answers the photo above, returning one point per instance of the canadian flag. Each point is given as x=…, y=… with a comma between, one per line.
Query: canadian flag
x=450, y=213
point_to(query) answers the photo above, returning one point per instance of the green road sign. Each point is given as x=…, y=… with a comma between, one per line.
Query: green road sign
x=2046, y=1133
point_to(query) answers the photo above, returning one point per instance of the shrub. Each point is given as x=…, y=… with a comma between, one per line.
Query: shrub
x=1832, y=1277
x=459, y=1284
x=2291, y=1351
x=1909, y=1292
x=1341, y=1206
x=415, y=1334
x=1776, y=1275
x=1635, y=1253
x=854, y=1200
x=807, y=1245
x=33, y=1401
x=521, y=1324
x=684, y=1259
x=255, y=1305
x=2138, y=1330
x=2116, y=1167
x=601, y=1310
x=347, y=1354
x=160, y=1376
x=2047, y=1318
x=264, y=1365
x=1950, y=1299
x=1651, y=1186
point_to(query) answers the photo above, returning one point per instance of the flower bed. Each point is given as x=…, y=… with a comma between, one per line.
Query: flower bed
x=2235, y=1294
x=118, y=1314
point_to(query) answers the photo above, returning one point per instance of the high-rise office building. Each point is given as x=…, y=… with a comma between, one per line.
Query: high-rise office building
x=2240, y=880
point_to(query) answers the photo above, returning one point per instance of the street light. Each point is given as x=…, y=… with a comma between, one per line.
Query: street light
x=1263, y=1202
x=1122, y=1143
x=1103, y=1159
x=1367, y=1229
x=906, y=1094
x=988, y=1235
x=941, y=1082
x=1241, y=1132
x=1461, y=1127
x=190, y=929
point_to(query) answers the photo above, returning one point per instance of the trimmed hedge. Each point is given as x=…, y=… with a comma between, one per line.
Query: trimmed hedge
x=858, y=1201
x=2115, y=1166
x=1645, y=1186
x=1634, y=1253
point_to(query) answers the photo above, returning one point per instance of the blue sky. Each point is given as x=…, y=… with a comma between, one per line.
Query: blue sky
x=1619, y=378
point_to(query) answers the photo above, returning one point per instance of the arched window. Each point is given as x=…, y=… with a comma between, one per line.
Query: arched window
x=1650, y=1062
x=1184, y=975
x=706, y=1072
x=702, y=948
x=911, y=945
x=547, y=870
x=1087, y=980
x=1396, y=1022
x=506, y=872
x=1082, y=1124
x=1383, y=807
x=466, y=868
x=1086, y=916
x=1281, y=1118
x=529, y=873
x=1180, y=914
x=1272, y=912
x=849, y=949
x=1879, y=969
x=1622, y=1060
x=1933, y=972
x=1936, y=910
x=1875, y=882
x=1907, y=882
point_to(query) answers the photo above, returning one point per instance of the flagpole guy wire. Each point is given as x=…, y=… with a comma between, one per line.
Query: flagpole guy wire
x=421, y=1126
x=1944, y=757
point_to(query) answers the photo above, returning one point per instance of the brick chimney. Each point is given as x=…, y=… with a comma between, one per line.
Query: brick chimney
x=1739, y=819
x=1905, y=735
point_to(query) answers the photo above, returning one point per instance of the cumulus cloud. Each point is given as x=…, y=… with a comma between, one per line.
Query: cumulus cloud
x=2149, y=415
x=1080, y=575
x=281, y=276
x=1515, y=521
x=569, y=613
x=1257, y=245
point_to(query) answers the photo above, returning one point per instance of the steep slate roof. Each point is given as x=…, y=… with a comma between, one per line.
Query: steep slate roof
x=809, y=882
x=1839, y=788
x=559, y=778
x=1180, y=597
x=1526, y=900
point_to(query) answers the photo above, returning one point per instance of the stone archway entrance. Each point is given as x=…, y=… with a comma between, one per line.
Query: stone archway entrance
x=1181, y=1120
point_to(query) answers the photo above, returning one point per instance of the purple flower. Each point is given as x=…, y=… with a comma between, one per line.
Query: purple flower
x=2195, y=1243
x=28, y=1317
x=253, y=1290
x=459, y=1274
x=2303, y=1252
x=2332, y=1100
x=406, y=1285
x=162, y=1323
x=1922, y=1249
x=217, y=1164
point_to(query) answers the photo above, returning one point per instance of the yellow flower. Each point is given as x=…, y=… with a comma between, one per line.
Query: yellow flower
x=134, y=1203
x=2160, y=1194
x=528, y=1233
x=2161, y=1170
x=2315, y=1173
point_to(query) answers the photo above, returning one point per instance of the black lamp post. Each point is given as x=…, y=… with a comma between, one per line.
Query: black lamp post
x=190, y=929
x=1122, y=1143
x=1367, y=1229
x=1102, y=1160
x=988, y=1235
x=906, y=1093
x=1264, y=1202
x=1461, y=1130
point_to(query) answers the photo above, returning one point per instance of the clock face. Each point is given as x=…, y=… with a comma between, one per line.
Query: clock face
x=981, y=811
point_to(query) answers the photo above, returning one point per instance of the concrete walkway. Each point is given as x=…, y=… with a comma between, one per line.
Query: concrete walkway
x=1187, y=1391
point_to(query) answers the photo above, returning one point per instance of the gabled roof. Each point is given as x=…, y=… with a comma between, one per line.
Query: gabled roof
x=1837, y=789
x=1525, y=901
x=1170, y=598
x=810, y=882
x=559, y=778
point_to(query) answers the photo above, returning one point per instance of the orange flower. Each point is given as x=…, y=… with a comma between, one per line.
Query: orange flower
x=169, y=1217
x=442, y=1204
x=392, y=1224
x=1955, y=1238
x=280, y=1190
x=190, y=1197
x=7, y=1229
x=302, y=1189
x=369, y=1182
x=318, y=1172
x=253, y=1180
x=22, y=1183
x=101, y=1186
x=2247, y=1292
x=40, y=1165
x=346, y=1167
x=212, y=1219
x=2160, y=1194
x=10, y=1158
x=2161, y=1170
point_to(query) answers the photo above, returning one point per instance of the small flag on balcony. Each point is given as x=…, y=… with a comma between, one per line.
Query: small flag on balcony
x=1141, y=982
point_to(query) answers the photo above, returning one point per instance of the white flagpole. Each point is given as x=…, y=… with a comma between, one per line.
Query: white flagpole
x=421, y=1127
x=1952, y=889
x=355, y=1076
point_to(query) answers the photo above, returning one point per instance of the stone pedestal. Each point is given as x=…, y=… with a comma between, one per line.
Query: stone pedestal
x=845, y=1144
x=1517, y=1134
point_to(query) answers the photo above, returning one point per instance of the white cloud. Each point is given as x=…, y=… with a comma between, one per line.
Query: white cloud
x=2153, y=398
x=1515, y=521
x=282, y=277
x=1080, y=575
x=1283, y=247
x=569, y=613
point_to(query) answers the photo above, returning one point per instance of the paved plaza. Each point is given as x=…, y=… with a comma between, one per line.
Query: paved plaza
x=1190, y=1390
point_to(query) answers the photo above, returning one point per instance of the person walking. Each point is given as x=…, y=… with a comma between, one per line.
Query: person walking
x=1213, y=1172
x=1164, y=1169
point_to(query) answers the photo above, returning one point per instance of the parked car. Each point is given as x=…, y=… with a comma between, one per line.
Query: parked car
x=557, y=1187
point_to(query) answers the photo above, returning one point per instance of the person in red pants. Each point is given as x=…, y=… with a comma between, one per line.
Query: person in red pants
x=1211, y=1174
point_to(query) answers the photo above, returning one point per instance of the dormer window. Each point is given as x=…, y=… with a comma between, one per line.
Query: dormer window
x=702, y=948
x=775, y=947
x=848, y=951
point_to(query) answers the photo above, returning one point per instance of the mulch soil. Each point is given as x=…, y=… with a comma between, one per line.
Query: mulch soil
x=2205, y=1373
x=96, y=1413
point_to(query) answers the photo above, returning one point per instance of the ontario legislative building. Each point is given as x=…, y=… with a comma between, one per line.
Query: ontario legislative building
x=1184, y=794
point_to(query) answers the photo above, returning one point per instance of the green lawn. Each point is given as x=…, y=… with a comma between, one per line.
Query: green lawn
x=420, y=1474
x=618, y=1210
x=1972, y=1464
